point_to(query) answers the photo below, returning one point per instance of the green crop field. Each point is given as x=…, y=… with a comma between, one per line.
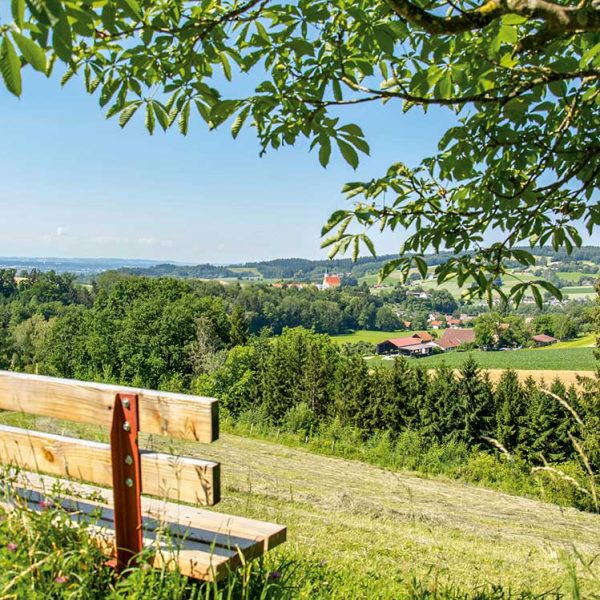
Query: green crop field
x=370, y=336
x=585, y=341
x=578, y=290
x=570, y=276
x=569, y=359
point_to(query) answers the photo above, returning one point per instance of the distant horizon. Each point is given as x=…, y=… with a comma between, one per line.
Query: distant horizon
x=170, y=261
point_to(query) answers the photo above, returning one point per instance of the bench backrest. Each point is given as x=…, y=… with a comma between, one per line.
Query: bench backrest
x=175, y=415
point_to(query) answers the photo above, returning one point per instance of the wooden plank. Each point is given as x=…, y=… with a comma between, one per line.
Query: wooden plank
x=178, y=478
x=164, y=413
x=217, y=524
x=100, y=512
x=212, y=544
x=191, y=558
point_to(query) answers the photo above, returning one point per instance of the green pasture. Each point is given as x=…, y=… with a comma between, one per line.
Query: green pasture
x=571, y=276
x=569, y=359
x=371, y=336
x=585, y=341
x=578, y=290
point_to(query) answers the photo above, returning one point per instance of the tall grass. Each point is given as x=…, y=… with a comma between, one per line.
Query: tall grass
x=44, y=556
x=409, y=451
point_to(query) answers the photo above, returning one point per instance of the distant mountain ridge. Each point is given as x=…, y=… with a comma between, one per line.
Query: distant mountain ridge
x=298, y=269
x=304, y=269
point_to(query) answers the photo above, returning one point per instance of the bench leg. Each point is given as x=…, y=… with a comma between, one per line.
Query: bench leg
x=127, y=479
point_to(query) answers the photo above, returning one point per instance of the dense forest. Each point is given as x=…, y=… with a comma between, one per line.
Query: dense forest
x=212, y=339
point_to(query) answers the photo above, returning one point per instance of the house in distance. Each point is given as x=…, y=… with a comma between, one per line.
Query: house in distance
x=418, y=344
x=331, y=281
x=544, y=340
x=453, y=338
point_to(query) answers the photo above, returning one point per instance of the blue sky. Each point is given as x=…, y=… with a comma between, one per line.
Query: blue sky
x=75, y=185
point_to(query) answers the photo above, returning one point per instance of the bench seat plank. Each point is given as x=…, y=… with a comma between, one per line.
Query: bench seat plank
x=210, y=542
x=175, y=477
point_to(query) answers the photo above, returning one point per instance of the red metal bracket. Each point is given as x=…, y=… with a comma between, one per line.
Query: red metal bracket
x=127, y=479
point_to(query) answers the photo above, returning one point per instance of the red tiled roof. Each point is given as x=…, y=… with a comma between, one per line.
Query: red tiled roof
x=403, y=342
x=332, y=280
x=423, y=335
x=436, y=323
x=544, y=339
x=451, y=338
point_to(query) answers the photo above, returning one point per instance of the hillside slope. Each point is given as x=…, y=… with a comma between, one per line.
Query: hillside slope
x=374, y=528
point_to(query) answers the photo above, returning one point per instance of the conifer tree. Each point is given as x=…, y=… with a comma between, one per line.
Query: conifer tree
x=511, y=411
x=546, y=425
x=352, y=398
x=476, y=403
x=239, y=327
x=440, y=416
x=401, y=401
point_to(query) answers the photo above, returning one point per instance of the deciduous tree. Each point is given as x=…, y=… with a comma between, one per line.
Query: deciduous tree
x=518, y=79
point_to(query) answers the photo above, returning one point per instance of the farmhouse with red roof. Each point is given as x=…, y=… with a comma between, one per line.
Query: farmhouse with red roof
x=453, y=338
x=418, y=344
x=544, y=340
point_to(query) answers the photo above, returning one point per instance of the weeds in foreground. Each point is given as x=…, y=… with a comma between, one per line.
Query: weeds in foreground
x=44, y=555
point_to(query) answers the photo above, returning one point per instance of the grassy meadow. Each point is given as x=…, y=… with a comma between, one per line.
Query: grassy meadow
x=569, y=359
x=354, y=531
x=584, y=341
x=371, y=336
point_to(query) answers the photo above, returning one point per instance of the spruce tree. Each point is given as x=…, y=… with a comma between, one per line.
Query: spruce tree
x=511, y=411
x=546, y=425
x=476, y=403
x=440, y=416
x=352, y=391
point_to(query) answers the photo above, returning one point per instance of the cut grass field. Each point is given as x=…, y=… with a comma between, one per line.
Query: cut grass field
x=358, y=531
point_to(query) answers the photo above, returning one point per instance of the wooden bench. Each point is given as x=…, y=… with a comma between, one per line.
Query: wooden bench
x=202, y=544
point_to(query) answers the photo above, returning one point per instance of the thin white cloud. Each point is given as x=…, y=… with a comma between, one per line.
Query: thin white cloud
x=124, y=241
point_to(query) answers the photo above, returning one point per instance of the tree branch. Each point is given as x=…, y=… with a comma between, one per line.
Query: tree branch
x=560, y=18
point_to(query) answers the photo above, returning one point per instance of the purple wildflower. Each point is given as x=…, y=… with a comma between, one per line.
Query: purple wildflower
x=61, y=579
x=46, y=504
x=274, y=575
x=11, y=546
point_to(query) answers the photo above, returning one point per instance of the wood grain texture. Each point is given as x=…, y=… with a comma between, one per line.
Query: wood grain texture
x=222, y=529
x=208, y=544
x=175, y=477
x=192, y=559
x=163, y=413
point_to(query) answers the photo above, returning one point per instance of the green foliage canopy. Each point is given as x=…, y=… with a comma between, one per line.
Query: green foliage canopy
x=521, y=78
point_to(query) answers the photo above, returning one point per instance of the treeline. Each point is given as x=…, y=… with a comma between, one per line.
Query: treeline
x=301, y=381
x=205, y=271
x=298, y=269
x=211, y=339
x=302, y=269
